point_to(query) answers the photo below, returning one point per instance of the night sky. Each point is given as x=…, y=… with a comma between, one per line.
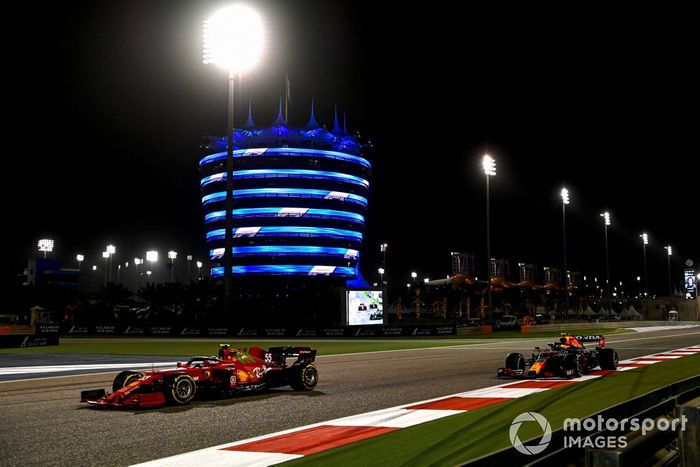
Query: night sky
x=108, y=102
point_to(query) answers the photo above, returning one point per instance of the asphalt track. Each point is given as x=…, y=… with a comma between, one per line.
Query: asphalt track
x=44, y=424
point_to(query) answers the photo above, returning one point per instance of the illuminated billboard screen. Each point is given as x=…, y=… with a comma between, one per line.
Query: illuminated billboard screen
x=364, y=307
x=689, y=280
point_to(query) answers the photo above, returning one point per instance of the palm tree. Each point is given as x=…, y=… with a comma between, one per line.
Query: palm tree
x=199, y=301
x=108, y=299
x=150, y=294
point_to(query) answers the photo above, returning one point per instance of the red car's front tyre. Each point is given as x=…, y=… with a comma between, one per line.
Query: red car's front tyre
x=125, y=378
x=181, y=389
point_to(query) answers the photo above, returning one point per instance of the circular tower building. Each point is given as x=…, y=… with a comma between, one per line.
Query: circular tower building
x=300, y=198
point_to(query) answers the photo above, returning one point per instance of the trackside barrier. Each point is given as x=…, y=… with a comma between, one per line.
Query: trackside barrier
x=105, y=330
x=567, y=325
x=669, y=401
x=689, y=441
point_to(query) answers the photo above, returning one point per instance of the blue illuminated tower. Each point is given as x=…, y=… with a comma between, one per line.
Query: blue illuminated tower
x=300, y=198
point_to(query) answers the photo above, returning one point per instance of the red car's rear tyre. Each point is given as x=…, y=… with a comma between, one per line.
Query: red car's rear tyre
x=304, y=378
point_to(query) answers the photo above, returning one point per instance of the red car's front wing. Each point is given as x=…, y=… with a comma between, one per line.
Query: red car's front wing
x=125, y=397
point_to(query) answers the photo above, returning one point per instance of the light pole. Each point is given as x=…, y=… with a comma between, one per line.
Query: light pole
x=119, y=270
x=94, y=271
x=151, y=257
x=383, y=247
x=697, y=294
x=199, y=269
x=79, y=258
x=606, y=219
x=565, y=274
x=489, y=164
x=233, y=40
x=189, y=265
x=137, y=262
x=172, y=255
x=381, y=276
x=105, y=255
x=645, y=242
x=669, y=250
x=414, y=275
x=639, y=287
x=111, y=249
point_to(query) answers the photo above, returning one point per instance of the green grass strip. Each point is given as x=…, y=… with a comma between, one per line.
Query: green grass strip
x=464, y=437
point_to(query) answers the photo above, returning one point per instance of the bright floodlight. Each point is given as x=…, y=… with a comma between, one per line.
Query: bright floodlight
x=105, y=254
x=380, y=271
x=645, y=238
x=199, y=264
x=80, y=258
x=189, y=257
x=172, y=254
x=489, y=164
x=45, y=245
x=94, y=268
x=152, y=256
x=669, y=250
x=383, y=247
x=111, y=249
x=565, y=196
x=233, y=38
x=426, y=280
x=414, y=275
x=606, y=216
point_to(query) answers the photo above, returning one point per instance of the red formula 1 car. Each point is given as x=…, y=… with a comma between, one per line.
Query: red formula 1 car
x=231, y=372
x=567, y=358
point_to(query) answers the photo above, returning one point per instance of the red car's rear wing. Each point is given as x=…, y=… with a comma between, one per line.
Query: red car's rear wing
x=302, y=354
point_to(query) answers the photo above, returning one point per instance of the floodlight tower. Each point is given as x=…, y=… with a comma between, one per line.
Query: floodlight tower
x=606, y=220
x=565, y=274
x=233, y=40
x=45, y=245
x=489, y=164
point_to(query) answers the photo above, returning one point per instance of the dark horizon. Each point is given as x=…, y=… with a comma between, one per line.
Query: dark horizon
x=114, y=101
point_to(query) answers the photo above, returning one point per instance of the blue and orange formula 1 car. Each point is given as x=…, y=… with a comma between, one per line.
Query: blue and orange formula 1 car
x=231, y=372
x=567, y=358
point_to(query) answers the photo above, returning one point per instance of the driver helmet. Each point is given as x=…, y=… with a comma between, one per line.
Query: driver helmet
x=224, y=351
